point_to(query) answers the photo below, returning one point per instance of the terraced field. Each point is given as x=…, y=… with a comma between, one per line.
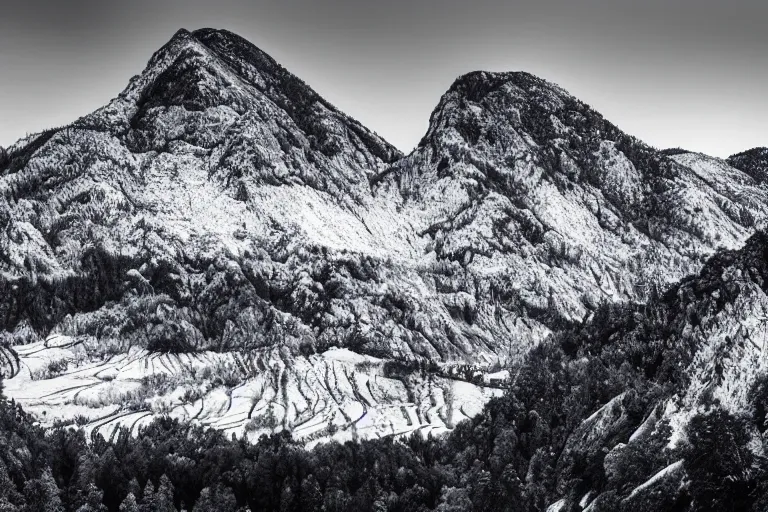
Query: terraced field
x=337, y=394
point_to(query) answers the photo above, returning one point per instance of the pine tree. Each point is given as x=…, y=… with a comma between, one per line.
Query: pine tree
x=129, y=504
x=221, y=498
x=454, y=500
x=9, y=497
x=287, y=499
x=164, y=496
x=148, y=498
x=42, y=494
x=205, y=503
x=93, y=500
x=8, y=492
x=311, y=496
x=134, y=487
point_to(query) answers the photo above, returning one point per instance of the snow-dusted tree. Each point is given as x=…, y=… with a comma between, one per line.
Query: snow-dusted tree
x=148, y=498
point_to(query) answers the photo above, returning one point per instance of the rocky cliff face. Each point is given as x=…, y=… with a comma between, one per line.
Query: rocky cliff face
x=221, y=244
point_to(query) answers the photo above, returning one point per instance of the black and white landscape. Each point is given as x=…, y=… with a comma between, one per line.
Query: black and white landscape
x=213, y=282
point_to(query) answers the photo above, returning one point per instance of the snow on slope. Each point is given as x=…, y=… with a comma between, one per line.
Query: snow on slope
x=338, y=394
x=687, y=364
x=559, y=210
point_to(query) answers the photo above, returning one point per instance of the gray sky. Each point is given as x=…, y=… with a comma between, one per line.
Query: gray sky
x=672, y=72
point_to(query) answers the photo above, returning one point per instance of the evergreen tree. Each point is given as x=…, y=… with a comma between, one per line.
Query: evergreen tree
x=311, y=496
x=221, y=498
x=164, y=496
x=129, y=504
x=287, y=499
x=205, y=503
x=135, y=488
x=454, y=500
x=42, y=494
x=719, y=462
x=8, y=492
x=93, y=500
x=147, y=503
x=9, y=496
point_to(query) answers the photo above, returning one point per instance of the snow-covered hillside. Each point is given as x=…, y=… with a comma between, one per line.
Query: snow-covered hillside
x=556, y=208
x=672, y=386
x=222, y=245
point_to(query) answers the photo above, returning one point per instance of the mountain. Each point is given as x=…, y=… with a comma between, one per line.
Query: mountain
x=221, y=245
x=201, y=246
x=753, y=162
x=658, y=406
x=556, y=207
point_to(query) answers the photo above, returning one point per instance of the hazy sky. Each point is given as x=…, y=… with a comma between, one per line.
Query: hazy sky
x=674, y=73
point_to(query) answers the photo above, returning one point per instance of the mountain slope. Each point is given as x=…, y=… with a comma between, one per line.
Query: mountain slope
x=212, y=229
x=220, y=244
x=556, y=207
x=652, y=407
x=753, y=162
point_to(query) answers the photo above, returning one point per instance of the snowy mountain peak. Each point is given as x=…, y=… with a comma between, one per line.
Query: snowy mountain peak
x=239, y=51
x=305, y=106
x=476, y=84
x=215, y=70
x=478, y=100
x=160, y=60
x=516, y=177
